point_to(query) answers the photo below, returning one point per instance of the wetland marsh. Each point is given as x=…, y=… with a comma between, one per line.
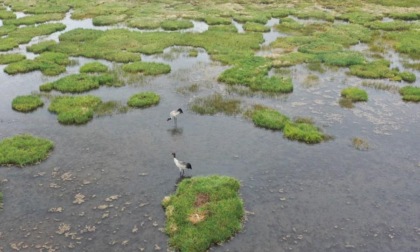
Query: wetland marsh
x=251, y=77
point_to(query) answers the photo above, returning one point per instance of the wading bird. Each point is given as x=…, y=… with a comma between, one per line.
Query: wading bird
x=181, y=165
x=174, y=114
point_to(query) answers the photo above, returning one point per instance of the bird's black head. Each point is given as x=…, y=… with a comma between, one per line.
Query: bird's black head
x=180, y=111
x=173, y=154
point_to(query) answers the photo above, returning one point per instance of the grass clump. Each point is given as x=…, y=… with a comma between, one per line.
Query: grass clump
x=342, y=59
x=11, y=58
x=203, y=211
x=215, y=20
x=359, y=17
x=268, y=118
x=360, y=144
x=4, y=15
x=255, y=27
x=173, y=25
x=354, y=94
x=408, y=16
x=27, y=103
x=49, y=63
x=144, y=23
x=379, y=69
x=406, y=42
x=78, y=83
x=214, y=104
x=41, y=47
x=303, y=132
x=34, y=19
x=108, y=20
x=147, y=68
x=410, y=93
x=143, y=100
x=389, y=26
x=74, y=109
x=93, y=67
x=24, y=150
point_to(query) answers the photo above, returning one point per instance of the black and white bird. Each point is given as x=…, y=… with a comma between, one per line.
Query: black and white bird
x=181, y=165
x=174, y=114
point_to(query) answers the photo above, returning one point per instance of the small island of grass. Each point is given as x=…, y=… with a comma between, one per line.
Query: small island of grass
x=203, y=211
x=74, y=109
x=354, y=94
x=24, y=150
x=143, y=100
x=27, y=103
x=410, y=93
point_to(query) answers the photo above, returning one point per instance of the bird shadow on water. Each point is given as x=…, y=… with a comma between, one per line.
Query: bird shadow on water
x=176, y=131
x=181, y=178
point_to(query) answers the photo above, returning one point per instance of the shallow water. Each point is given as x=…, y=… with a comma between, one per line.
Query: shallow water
x=325, y=197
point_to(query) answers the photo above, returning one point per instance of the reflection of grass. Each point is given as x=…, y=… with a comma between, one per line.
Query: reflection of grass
x=74, y=109
x=93, y=67
x=11, y=57
x=359, y=143
x=354, y=94
x=214, y=104
x=410, y=93
x=345, y=103
x=147, y=68
x=27, y=103
x=203, y=211
x=108, y=108
x=143, y=100
x=24, y=149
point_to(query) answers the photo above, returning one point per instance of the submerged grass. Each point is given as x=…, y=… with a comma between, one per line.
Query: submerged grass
x=27, y=103
x=360, y=144
x=143, y=100
x=214, y=104
x=203, y=211
x=24, y=150
x=74, y=109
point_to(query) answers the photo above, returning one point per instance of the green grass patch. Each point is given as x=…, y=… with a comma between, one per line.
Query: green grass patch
x=143, y=100
x=354, y=94
x=255, y=27
x=49, y=63
x=320, y=46
x=268, y=118
x=145, y=23
x=214, y=104
x=204, y=211
x=147, y=68
x=27, y=103
x=215, y=20
x=78, y=83
x=34, y=19
x=5, y=15
x=389, y=26
x=93, y=67
x=11, y=58
x=41, y=47
x=178, y=24
x=294, y=58
x=223, y=28
x=378, y=69
x=410, y=93
x=315, y=14
x=359, y=17
x=108, y=20
x=406, y=42
x=74, y=109
x=408, y=16
x=24, y=150
x=253, y=73
x=342, y=59
x=303, y=132
x=346, y=35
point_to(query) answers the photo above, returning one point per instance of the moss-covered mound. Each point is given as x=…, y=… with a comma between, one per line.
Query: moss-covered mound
x=203, y=211
x=27, y=103
x=74, y=109
x=410, y=93
x=214, y=104
x=24, y=149
x=354, y=94
x=143, y=100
